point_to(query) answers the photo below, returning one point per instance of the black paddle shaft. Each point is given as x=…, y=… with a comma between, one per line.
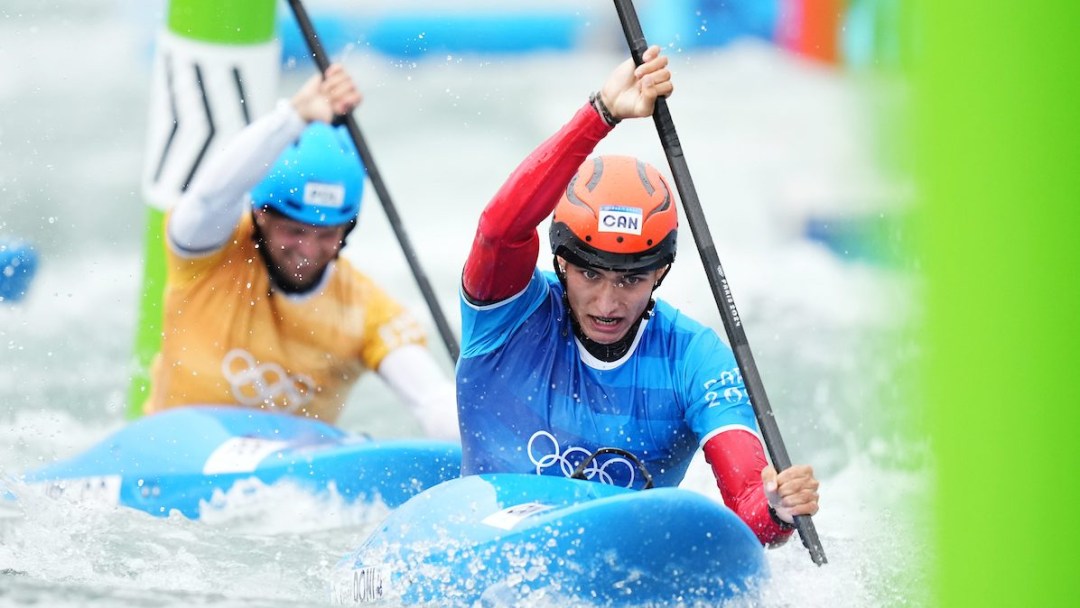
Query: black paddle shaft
x=721, y=291
x=321, y=60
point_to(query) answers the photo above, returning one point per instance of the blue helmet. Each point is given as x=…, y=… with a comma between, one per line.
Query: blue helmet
x=317, y=180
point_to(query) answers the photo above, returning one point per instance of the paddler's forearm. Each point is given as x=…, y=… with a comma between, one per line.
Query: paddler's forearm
x=506, y=245
x=737, y=458
x=206, y=215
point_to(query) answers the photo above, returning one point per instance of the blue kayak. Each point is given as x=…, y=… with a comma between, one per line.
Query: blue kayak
x=509, y=539
x=178, y=459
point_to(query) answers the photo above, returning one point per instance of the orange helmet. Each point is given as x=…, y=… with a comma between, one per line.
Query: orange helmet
x=617, y=214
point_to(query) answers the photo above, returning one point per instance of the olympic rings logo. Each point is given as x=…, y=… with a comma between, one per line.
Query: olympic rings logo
x=266, y=384
x=573, y=456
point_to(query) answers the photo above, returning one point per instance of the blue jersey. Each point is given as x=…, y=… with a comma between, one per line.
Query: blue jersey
x=532, y=400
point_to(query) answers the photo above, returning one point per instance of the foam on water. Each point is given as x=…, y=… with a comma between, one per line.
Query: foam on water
x=767, y=137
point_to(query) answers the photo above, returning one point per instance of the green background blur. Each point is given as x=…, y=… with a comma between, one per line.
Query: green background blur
x=997, y=145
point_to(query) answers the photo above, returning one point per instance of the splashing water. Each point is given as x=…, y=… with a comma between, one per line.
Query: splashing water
x=766, y=136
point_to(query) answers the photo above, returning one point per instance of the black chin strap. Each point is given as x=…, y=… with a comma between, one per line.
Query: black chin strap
x=607, y=352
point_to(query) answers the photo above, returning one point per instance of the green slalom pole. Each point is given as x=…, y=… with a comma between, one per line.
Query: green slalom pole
x=216, y=68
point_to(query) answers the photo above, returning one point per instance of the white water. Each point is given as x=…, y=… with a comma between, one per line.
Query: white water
x=767, y=137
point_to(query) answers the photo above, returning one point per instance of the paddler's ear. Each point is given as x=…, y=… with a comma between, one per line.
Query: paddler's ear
x=661, y=276
x=259, y=217
x=560, y=266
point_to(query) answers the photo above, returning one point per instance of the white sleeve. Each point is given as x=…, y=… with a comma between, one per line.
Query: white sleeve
x=418, y=381
x=207, y=213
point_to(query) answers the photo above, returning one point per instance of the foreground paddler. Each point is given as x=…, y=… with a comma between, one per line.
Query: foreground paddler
x=260, y=309
x=558, y=366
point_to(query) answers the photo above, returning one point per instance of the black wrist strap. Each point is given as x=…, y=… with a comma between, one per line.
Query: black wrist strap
x=603, y=110
x=776, y=518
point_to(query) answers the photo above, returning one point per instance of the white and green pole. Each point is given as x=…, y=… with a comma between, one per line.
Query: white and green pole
x=216, y=68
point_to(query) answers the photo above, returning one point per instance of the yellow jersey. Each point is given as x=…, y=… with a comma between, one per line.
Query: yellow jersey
x=229, y=338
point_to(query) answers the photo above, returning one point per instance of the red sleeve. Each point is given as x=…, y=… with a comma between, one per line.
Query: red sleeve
x=506, y=245
x=737, y=459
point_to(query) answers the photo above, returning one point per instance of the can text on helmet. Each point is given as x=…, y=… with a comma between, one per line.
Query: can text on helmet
x=614, y=218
